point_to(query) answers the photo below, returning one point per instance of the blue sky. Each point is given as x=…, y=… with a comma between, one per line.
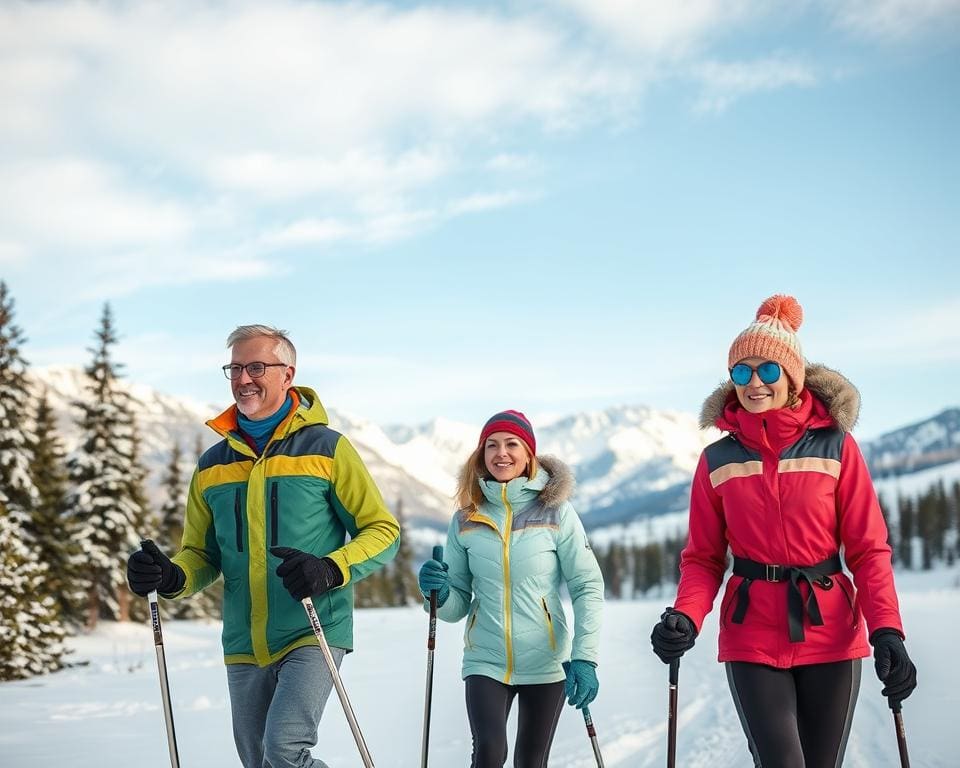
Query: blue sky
x=455, y=208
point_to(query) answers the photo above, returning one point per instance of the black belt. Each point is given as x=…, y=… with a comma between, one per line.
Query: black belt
x=818, y=574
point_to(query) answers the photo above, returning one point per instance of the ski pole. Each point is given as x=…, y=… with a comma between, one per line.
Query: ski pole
x=592, y=733
x=672, y=715
x=164, y=683
x=901, y=733
x=431, y=644
x=337, y=682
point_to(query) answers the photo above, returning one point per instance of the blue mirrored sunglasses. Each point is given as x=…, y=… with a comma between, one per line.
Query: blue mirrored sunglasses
x=741, y=373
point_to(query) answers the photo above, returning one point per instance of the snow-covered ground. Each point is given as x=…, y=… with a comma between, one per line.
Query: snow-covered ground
x=106, y=713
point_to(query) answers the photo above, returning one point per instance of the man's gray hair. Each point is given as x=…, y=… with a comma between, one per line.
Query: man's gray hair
x=285, y=351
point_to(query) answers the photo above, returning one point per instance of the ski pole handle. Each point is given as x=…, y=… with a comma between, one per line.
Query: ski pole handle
x=431, y=645
x=432, y=634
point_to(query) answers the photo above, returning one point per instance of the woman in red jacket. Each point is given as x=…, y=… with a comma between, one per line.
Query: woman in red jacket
x=788, y=493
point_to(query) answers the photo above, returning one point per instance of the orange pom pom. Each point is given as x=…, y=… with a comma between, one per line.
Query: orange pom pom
x=784, y=308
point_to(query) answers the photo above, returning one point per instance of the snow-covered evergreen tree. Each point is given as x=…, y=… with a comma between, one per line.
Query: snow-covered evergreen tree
x=54, y=544
x=16, y=484
x=106, y=508
x=31, y=637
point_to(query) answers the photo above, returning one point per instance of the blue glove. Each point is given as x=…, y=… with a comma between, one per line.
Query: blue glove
x=582, y=685
x=434, y=576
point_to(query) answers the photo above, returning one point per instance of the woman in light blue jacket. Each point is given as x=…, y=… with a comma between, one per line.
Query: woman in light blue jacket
x=513, y=541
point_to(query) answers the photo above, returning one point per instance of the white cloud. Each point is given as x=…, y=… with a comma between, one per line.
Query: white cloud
x=131, y=125
x=512, y=162
x=75, y=200
x=895, y=19
x=666, y=29
x=725, y=82
x=488, y=201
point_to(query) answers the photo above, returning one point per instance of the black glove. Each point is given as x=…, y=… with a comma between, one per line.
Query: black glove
x=149, y=569
x=893, y=665
x=673, y=635
x=306, y=575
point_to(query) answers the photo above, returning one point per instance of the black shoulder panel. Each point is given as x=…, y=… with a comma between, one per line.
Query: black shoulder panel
x=728, y=450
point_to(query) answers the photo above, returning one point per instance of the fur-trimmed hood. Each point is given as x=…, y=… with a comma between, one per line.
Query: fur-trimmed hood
x=559, y=487
x=830, y=387
x=553, y=484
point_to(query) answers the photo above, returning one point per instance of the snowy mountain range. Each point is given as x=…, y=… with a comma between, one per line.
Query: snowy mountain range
x=633, y=464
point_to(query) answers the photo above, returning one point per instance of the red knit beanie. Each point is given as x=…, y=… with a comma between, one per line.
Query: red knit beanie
x=513, y=422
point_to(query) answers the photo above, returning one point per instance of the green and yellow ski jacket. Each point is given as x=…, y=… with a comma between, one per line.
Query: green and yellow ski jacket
x=309, y=489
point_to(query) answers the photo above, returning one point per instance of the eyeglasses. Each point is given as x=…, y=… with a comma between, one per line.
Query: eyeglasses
x=256, y=369
x=741, y=373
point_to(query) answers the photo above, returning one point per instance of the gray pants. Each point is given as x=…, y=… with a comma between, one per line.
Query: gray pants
x=276, y=709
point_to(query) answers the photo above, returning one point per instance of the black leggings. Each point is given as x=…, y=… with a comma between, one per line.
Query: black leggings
x=798, y=717
x=488, y=706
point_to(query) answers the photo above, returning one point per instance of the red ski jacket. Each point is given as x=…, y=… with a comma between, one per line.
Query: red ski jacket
x=788, y=488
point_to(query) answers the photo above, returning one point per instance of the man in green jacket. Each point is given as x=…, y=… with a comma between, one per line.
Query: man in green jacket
x=269, y=508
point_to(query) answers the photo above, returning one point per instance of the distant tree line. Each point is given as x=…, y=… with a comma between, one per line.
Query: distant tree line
x=69, y=522
x=632, y=570
x=924, y=529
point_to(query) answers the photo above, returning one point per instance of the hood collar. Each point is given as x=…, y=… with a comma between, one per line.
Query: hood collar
x=307, y=409
x=554, y=483
x=838, y=398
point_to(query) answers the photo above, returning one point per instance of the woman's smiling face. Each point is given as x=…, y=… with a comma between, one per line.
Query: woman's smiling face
x=757, y=397
x=505, y=456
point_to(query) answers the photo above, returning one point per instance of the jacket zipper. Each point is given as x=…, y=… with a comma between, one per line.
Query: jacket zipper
x=507, y=530
x=274, y=513
x=546, y=611
x=238, y=515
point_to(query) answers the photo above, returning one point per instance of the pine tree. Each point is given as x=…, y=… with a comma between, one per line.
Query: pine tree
x=925, y=529
x=652, y=555
x=401, y=575
x=205, y=604
x=31, y=637
x=614, y=572
x=905, y=507
x=16, y=440
x=55, y=546
x=106, y=507
x=885, y=513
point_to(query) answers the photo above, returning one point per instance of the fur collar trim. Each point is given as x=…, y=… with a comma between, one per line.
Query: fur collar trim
x=830, y=387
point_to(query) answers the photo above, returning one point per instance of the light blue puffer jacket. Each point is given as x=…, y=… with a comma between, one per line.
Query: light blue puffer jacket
x=507, y=560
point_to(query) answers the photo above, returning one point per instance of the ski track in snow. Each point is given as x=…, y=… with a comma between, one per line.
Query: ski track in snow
x=102, y=713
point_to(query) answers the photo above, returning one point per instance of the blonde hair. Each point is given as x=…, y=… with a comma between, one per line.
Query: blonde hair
x=469, y=495
x=285, y=351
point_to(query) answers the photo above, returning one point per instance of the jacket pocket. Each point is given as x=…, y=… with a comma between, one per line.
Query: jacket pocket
x=847, y=590
x=728, y=602
x=274, y=513
x=238, y=518
x=470, y=622
x=549, y=619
